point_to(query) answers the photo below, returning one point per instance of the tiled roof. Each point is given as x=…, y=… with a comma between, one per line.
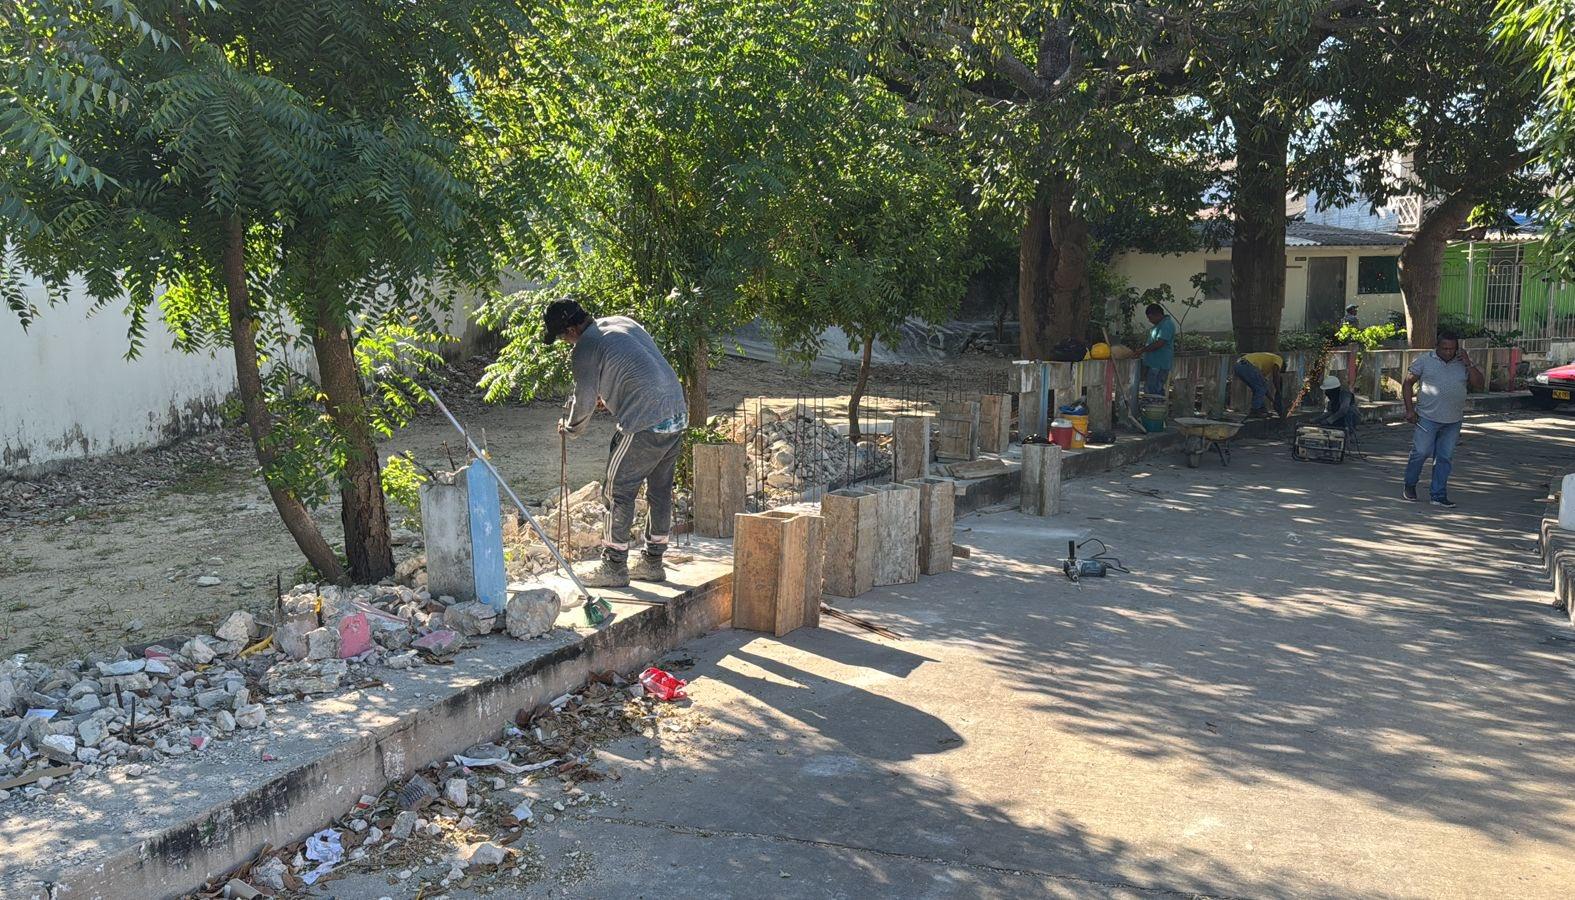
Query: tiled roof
x=1306, y=234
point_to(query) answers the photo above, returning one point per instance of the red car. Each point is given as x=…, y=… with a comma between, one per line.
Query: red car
x=1553, y=387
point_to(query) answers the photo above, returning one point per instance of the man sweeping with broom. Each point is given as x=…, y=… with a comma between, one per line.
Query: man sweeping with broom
x=616, y=362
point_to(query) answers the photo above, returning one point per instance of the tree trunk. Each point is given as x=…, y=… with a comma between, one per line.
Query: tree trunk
x=857, y=396
x=1422, y=267
x=368, y=545
x=695, y=385
x=1052, y=287
x=1257, y=252
x=259, y=424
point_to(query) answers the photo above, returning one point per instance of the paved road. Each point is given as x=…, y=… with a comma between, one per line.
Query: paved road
x=1306, y=687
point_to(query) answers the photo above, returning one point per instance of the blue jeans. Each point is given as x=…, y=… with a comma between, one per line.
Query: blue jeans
x=1435, y=439
x=1254, y=379
x=1154, y=381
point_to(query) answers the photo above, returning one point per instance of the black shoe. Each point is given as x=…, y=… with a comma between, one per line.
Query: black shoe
x=1445, y=502
x=1409, y=493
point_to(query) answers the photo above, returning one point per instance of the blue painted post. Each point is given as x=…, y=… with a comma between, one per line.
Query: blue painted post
x=486, y=537
x=1045, y=414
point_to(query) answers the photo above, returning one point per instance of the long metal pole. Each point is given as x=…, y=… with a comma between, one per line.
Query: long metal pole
x=540, y=532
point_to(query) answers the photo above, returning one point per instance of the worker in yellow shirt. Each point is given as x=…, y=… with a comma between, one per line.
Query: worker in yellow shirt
x=1261, y=373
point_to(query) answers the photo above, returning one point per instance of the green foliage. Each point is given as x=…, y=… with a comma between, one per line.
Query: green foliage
x=1471, y=330
x=1202, y=343
x=402, y=481
x=667, y=142
x=1545, y=31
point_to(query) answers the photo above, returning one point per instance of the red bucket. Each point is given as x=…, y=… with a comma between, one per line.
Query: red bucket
x=1061, y=431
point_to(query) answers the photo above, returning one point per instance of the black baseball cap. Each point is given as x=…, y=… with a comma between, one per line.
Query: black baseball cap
x=561, y=315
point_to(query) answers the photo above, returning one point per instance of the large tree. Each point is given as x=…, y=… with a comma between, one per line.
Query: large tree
x=1545, y=31
x=1435, y=120
x=265, y=173
x=664, y=136
x=1072, y=110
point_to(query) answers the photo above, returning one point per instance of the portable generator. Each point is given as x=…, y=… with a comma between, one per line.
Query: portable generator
x=1316, y=444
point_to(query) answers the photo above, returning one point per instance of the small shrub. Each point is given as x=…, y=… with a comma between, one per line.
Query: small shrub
x=402, y=482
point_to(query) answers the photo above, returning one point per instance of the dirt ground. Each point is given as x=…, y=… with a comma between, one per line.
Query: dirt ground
x=109, y=550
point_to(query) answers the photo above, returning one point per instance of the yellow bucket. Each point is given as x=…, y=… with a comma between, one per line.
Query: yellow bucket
x=1079, y=431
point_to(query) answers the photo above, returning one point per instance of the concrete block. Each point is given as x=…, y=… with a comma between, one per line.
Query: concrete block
x=995, y=423
x=1041, y=494
x=937, y=510
x=957, y=431
x=1567, y=503
x=777, y=571
x=719, y=476
x=850, y=520
x=910, y=447
x=445, y=530
x=1213, y=399
x=897, y=534
x=1240, y=395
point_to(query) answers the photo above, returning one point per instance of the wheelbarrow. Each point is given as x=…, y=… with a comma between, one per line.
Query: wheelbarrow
x=1203, y=435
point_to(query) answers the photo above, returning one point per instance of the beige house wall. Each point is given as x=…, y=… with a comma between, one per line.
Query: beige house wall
x=1150, y=270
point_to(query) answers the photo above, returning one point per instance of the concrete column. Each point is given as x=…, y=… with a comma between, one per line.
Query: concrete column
x=957, y=431
x=910, y=447
x=1213, y=399
x=1041, y=479
x=897, y=534
x=486, y=538
x=719, y=472
x=776, y=571
x=1567, y=506
x=850, y=525
x=937, y=510
x=995, y=423
x=445, y=530
x=1024, y=382
x=1101, y=420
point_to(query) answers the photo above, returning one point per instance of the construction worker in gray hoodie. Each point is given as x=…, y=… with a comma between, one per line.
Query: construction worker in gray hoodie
x=616, y=363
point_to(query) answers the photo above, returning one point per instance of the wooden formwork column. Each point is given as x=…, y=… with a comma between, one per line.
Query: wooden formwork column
x=719, y=473
x=1182, y=397
x=937, y=510
x=957, y=431
x=850, y=527
x=776, y=571
x=896, y=534
x=1041, y=494
x=910, y=447
x=1101, y=413
x=995, y=423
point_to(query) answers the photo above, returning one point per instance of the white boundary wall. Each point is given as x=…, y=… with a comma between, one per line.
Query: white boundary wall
x=67, y=391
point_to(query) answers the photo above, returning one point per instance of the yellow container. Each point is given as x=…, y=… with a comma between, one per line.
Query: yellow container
x=1079, y=431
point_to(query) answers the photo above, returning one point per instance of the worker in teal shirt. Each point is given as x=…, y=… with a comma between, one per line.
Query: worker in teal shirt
x=1160, y=352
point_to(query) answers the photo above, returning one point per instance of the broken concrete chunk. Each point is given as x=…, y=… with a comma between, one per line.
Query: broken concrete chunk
x=85, y=704
x=483, y=855
x=471, y=618
x=224, y=721
x=136, y=681
x=250, y=716
x=122, y=667
x=91, y=732
x=404, y=825
x=199, y=650
x=209, y=581
x=271, y=873
x=322, y=643
x=305, y=677
x=240, y=626
x=439, y=643
x=62, y=748
x=290, y=637
x=213, y=699
x=531, y=612
x=457, y=792
x=402, y=660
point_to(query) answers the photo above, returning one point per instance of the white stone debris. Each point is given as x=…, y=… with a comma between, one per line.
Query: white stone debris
x=792, y=451
x=532, y=612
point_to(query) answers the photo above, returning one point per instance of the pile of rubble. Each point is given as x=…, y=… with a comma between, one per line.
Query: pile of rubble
x=791, y=451
x=134, y=709
x=463, y=823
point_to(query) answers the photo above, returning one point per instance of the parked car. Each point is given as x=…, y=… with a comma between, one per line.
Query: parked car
x=1553, y=387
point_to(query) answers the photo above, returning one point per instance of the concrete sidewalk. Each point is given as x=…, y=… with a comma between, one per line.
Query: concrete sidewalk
x=1306, y=687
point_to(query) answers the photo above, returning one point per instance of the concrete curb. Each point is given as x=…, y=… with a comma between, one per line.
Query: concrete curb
x=979, y=493
x=297, y=801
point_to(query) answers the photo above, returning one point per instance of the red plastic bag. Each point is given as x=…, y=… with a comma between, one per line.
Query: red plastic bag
x=662, y=685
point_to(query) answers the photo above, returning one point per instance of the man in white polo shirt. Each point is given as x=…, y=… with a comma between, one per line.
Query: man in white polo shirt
x=1446, y=374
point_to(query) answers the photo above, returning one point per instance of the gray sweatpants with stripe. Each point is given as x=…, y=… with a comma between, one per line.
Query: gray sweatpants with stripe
x=641, y=457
